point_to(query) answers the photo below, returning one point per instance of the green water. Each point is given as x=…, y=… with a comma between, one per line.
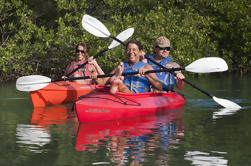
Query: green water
x=202, y=133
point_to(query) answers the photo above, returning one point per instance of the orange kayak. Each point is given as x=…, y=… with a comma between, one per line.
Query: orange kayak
x=59, y=93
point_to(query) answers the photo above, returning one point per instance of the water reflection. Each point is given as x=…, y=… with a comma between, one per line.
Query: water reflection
x=36, y=135
x=224, y=112
x=33, y=137
x=131, y=140
x=203, y=158
x=50, y=115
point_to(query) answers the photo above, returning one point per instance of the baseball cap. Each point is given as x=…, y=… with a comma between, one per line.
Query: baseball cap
x=162, y=41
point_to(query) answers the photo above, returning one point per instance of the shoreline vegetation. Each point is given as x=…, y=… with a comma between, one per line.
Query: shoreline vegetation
x=39, y=36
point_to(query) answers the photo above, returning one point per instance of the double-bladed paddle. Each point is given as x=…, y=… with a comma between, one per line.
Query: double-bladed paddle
x=122, y=37
x=99, y=31
x=35, y=82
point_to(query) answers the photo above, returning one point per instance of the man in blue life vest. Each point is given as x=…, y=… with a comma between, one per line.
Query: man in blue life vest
x=139, y=83
x=161, y=56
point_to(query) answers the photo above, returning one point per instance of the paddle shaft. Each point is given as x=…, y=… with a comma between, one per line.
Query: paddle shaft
x=113, y=37
x=123, y=74
x=83, y=65
x=193, y=85
x=186, y=81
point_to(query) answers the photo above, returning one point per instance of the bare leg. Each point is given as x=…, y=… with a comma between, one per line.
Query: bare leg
x=116, y=80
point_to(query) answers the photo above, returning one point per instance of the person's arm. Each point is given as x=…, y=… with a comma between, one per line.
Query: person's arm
x=152, y=78
x=93, y=62
x=178, y=75
x=95, y=70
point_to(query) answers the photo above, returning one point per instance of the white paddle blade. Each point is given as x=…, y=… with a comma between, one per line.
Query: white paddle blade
x=32, y=83
x=94, y=26
x=207, y=65
x=227, y=103
x=123, y=36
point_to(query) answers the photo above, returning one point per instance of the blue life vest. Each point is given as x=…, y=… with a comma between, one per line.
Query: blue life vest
x=134, y=83
x=167, y=79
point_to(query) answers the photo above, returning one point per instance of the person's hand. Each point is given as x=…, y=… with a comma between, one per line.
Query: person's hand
x=92, y=61
x=179, y=76
x=142, y=72
x=64, y=77
x=142, y=53
x=172, y=65
x=120, y=69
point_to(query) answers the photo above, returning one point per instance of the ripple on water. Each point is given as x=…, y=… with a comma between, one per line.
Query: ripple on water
x=203, y=104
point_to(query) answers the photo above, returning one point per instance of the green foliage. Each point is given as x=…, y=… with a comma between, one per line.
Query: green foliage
x=232, y=31
x=40, y=39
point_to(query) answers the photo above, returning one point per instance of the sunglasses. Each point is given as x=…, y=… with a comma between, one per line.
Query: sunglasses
x=82, y=51
x=163, y=48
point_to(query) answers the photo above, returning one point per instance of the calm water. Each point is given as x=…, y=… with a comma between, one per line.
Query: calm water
x=202, y=133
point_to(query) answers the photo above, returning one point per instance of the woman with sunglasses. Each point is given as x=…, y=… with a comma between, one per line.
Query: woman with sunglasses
x=91, y=69
x=161, y=56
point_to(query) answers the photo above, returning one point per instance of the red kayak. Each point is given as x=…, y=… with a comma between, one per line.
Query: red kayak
x=100, y=105
x=59, y=93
